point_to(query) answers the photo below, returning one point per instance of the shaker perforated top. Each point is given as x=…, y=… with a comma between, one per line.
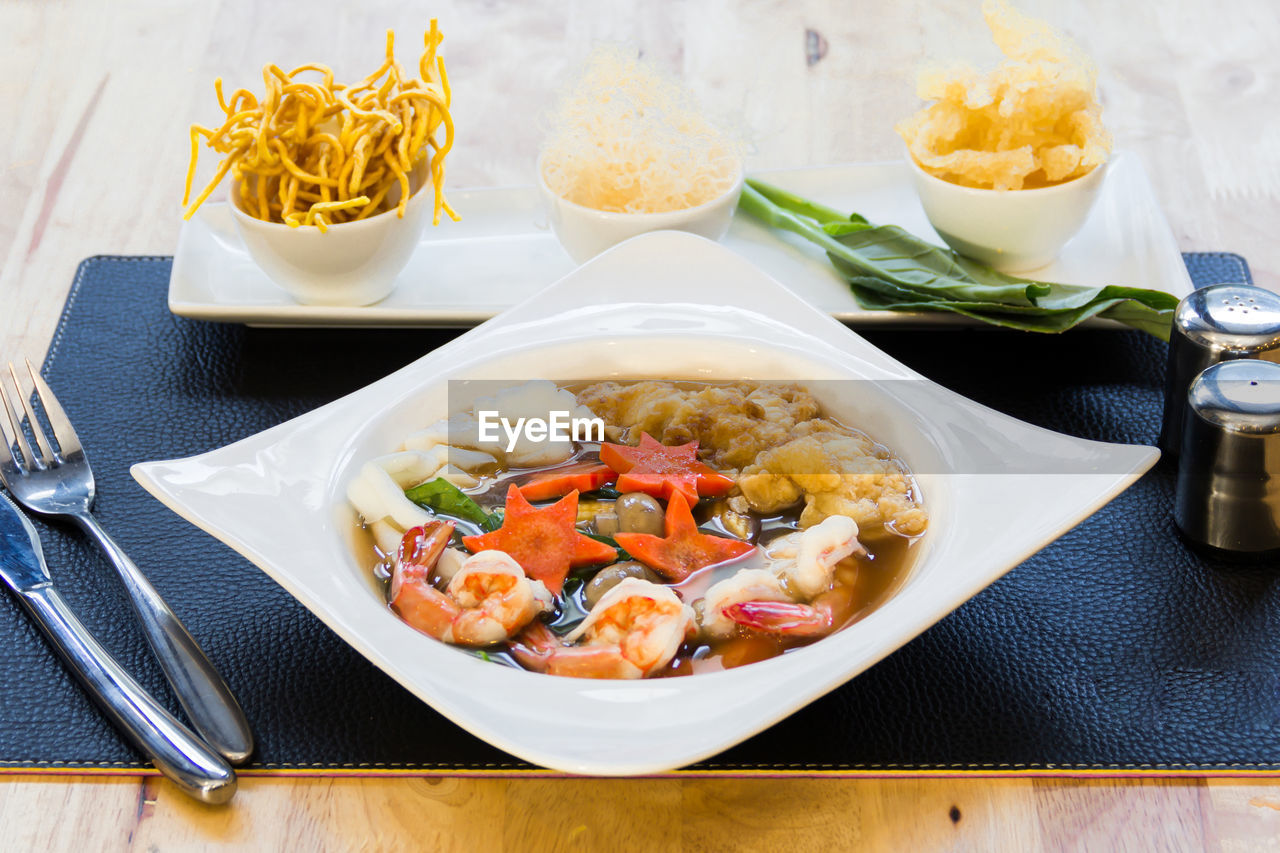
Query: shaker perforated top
x=1231, y=317
x=1241, y=396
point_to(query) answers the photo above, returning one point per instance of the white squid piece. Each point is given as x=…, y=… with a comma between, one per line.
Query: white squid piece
x=377, y=492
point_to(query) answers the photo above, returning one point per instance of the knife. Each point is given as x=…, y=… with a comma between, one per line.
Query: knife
x=176, y=752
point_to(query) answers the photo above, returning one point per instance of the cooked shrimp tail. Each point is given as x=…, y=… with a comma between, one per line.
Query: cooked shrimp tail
x=540, y=650
x=782, y=617
x=533, y=647
x=412, y=595
x=422, y=546
x=595, y=662
x=424, y=607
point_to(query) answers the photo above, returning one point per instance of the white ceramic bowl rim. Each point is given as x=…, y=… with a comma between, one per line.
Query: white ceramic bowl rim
x=1061, y=187
x=734, y=186
x=415, y=198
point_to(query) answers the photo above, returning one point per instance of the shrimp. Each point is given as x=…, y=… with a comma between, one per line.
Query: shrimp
x=420, y=550
x=796, y=598
x=487, y=601
x=634, y=630
x=794, y=618
x=806, y=561
x=746, y=585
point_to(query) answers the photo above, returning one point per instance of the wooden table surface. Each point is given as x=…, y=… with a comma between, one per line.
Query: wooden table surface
x=95, y=99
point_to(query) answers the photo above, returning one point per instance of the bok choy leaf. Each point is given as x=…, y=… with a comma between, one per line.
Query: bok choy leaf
x=891, y=269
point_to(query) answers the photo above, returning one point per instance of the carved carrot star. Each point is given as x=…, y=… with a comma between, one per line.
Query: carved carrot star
x=543, y=541
x=684, y=549
x=661, y=471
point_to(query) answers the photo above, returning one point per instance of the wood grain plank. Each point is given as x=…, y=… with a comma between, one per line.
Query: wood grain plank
x=893, y=815
x=1245, y=816
x=592, y=814
x=50, y=812
x=1125, y=815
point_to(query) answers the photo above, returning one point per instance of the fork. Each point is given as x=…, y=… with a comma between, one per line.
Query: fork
x=58, y=482
x=174, y=749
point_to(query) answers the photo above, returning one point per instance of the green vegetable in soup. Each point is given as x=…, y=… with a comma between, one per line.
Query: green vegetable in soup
x=444, y=498
x=607, y=493
x=611, y=542
x=888, y=268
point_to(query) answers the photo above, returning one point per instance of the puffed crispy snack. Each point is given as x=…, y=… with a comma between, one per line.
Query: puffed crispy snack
x=1033, y=121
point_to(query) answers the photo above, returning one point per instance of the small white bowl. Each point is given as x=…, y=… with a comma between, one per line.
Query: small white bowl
x=353, y=263
x=1011, y=230
x=585, y=232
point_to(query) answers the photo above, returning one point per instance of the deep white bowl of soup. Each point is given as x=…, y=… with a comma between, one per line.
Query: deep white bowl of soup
x=653, y=307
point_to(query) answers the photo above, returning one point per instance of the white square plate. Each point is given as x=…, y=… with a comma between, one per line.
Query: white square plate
x=502, y=252
x=997, y=490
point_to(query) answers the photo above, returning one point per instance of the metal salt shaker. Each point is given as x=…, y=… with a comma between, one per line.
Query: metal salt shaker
x=1228, y=493
x=1216, y=323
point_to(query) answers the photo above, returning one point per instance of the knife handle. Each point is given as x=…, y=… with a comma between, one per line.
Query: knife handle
x=200, y=690
x=171, y=746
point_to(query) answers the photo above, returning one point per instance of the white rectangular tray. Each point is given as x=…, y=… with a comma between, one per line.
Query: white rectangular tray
x=503, y=251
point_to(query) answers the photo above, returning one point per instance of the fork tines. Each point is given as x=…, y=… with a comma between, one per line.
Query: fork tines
x=18, y=410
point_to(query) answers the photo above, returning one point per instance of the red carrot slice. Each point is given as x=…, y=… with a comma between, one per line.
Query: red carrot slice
x=662, y=471
x=684, y=549
x=543, y=540
x=579, y=477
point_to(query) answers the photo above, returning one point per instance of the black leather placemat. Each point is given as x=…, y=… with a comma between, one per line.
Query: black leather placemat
x=1115, y=647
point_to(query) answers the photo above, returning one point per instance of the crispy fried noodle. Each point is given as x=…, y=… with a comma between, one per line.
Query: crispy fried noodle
x=316, y=152
x=628, y=139
x=1033, y=121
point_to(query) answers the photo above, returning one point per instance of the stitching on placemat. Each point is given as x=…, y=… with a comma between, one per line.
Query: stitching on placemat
x=56, y=344
x=444, y=765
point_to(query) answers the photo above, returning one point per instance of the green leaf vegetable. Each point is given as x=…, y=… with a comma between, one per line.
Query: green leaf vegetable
x=612, y=543
x=888, y=268
x=442, y=497
x=608, y=493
